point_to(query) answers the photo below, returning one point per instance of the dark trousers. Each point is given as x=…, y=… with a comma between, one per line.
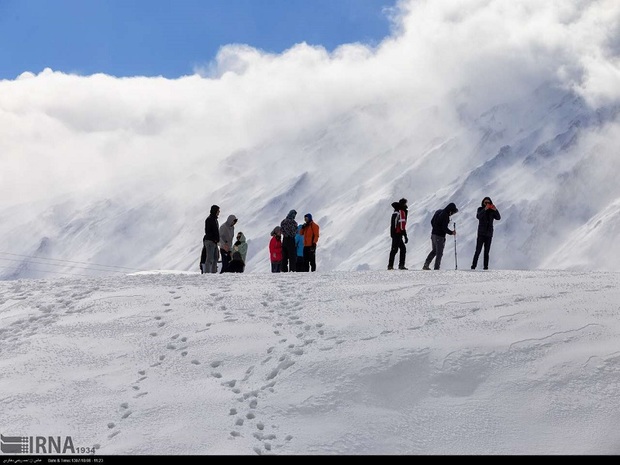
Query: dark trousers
x=300, y=263
x=309, y=258
x=276, y=267
x=225, y=260
x=289, y=254
x=397, y=244
x=438, y=243
x=480, y=242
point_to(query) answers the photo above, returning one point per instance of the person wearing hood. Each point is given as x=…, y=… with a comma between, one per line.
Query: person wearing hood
x=310, y=231
x=398, y=233
x=241, y=246
x=299, y=245
x=238, y=255
x=275, y=250
x=227, y=234
x=487, y=212
x=289, y=231
x=211, y=240
x=440, y=222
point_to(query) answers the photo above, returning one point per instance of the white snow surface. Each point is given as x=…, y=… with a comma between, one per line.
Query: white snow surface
x=325, y=363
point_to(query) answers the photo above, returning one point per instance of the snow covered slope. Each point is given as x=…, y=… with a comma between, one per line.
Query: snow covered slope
x=376, y=362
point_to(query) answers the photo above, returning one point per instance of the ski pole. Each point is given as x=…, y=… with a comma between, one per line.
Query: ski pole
x=456, y=263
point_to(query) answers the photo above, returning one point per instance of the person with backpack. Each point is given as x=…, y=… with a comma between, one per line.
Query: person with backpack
x=227, y=233
x=439, y=223
x=398, y=233
x=310, y=231
x=289, y=230
x=486, y=213
x=275, y=250
x=211, y=240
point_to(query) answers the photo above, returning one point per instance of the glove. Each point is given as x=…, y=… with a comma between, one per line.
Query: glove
x=406, y=239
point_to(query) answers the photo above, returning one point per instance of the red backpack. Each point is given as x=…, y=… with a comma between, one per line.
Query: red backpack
x=401, y=222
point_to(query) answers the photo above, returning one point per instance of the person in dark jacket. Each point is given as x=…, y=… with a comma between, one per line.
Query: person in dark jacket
x=203, y=256
x=398, y=233
x=211, y=239
x=289, y=252
x=487, y=212
x=236, y=264
x=440, y=222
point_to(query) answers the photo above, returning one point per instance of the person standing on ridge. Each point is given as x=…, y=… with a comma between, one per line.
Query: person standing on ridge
x=227, y=234
x=486, y=213
x=241, y=246
x=398, y=233
x=440, y=222
x=211, y=240
x=310, y=231
x=275, y=250
x=238, y=255
x=289, y=254
x=299, y=245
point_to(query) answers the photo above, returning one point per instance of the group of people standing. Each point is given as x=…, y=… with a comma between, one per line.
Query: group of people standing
x=218, y=245
x=486, y=214
x=293, y=246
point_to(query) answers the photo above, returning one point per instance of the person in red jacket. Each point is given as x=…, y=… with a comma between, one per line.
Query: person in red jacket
x=310, y=231
x=275, y=250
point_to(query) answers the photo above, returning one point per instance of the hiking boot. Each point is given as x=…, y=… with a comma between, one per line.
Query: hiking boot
x=402, y=268
x=390, y=267
x=425, y=267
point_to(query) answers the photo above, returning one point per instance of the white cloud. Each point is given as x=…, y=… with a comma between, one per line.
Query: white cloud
x=419, y=113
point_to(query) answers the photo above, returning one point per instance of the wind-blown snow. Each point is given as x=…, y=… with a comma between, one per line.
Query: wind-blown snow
x=376, y=362
x=513, y=100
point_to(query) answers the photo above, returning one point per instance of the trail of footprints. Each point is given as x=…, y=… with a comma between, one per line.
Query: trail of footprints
x=66, y=302
x=176, y=343
x=295, y=338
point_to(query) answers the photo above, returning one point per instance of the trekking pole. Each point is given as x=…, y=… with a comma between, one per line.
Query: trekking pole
x=456, y=263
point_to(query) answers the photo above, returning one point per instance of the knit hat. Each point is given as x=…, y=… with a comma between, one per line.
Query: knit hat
x=214, y=209
x=309, y=216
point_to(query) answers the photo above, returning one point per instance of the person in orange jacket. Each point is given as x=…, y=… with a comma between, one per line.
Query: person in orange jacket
x=310, y=231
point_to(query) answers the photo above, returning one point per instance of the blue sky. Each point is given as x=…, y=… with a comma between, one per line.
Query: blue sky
x=171, y=37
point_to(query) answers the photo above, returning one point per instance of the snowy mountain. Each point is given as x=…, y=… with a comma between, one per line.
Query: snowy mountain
x=122, y=172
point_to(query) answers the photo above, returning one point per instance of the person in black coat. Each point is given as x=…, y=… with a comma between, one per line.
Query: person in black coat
x=486, y=213
x=398, y=233
x=440, y=222
x=211, y=239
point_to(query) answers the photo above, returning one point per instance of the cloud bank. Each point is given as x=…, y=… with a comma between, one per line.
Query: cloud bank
x=335, y=132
